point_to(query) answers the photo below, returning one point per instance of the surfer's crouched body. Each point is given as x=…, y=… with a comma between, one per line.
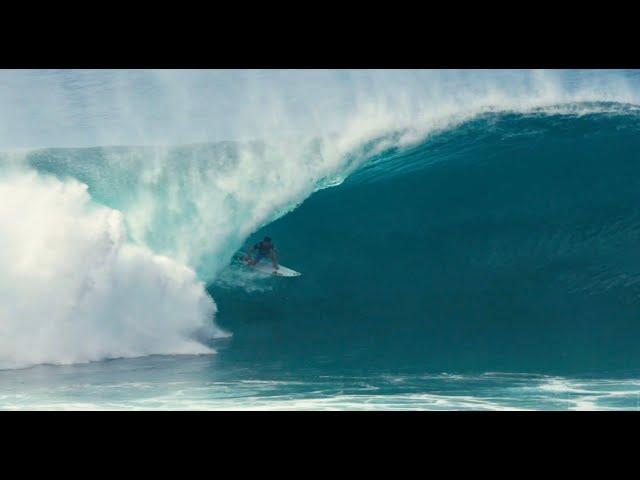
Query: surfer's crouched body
x=264, y=249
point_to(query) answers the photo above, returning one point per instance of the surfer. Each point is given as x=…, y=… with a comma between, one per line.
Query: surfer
x=264, y=249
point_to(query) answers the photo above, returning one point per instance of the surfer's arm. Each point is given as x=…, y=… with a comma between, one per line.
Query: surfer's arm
x=274, y=258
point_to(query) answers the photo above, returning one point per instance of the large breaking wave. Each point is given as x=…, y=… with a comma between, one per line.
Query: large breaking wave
x=107, y=250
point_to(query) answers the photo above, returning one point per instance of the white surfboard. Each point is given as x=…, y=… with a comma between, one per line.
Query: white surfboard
x=266, y=266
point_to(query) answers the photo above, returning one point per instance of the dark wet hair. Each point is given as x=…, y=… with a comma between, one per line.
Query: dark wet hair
x=267, y=239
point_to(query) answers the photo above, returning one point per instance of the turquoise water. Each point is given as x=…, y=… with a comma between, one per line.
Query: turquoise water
x=508, y=244
x=482, y=256
x=209, y=383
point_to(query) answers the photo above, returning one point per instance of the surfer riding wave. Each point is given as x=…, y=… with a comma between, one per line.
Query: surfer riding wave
x=263, y=249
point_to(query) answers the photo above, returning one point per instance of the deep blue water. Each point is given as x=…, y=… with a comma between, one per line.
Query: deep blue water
x=508, y=244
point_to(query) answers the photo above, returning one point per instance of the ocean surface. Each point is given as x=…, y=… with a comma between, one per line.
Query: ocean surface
x=468, y=240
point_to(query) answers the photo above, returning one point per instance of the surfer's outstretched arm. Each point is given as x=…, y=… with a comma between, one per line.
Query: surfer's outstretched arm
x=274, y=258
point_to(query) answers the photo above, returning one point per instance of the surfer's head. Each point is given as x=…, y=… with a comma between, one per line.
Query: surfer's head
x=267, y=240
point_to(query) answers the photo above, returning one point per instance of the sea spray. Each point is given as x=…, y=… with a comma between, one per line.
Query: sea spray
x=73, y=289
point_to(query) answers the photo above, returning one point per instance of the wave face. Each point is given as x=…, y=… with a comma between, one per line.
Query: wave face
x=451, y=219
x=508, y=243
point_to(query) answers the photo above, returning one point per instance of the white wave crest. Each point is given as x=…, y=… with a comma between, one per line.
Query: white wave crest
x=72, y=289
